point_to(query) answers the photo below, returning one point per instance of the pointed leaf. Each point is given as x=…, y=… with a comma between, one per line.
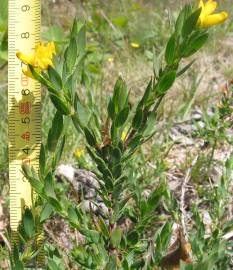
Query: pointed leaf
x=28, y=223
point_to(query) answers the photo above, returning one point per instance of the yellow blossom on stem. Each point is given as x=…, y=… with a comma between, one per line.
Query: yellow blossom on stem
x=79, y=152
x=110, y=59
x=135, y=45
x=208, y=17
x=123, y=135
x=41, y=59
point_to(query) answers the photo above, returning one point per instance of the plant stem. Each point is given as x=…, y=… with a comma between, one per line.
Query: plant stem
x=211, y=156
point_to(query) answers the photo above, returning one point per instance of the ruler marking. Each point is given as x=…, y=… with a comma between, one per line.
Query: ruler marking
x=18, y=24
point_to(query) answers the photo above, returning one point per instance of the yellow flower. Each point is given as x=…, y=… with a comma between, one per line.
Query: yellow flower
x=40, y=60
x=79, y=152
x=207, y=18
x=123, y=135
x=135, y=45
x=110, y=59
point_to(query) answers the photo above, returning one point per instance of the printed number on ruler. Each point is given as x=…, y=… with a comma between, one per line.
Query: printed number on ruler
x=23, y=104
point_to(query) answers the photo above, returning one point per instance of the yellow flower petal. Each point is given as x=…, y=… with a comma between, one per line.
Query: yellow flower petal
x=40, y=60
x=51, y=47
x=26, y=59
x=207, y=18
x=110, y=59
x=210, y=7
x=79, y=152
x=27, y=72
x=201, y=4
x=123, y=135
x=135, y=45
x=44, y=63
x=215, y=19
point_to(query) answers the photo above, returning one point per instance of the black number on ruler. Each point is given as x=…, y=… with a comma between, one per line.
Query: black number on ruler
x=26, y=150
x=25, y=120
x=25, y=35
x=25, y=92
x=25, y=8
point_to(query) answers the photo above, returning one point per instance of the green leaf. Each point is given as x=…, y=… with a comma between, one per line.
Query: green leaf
x=103, y=227
x=114, y=134
x=183, y=70
x=28, y=223
x=120, y=21
x=195, y=42
x=170, y=52
x=55, y=132
x=122, y=117
x=137, y=120
x=93, y=235
x=35, y=183
x=143, y=101
x=3, y=15
x=4, y=55
x=112, y=263
x=90, y=137
x=46, y=212
x=107, y=179
x=73, y=217
x=116, y=155
x=42, y=159
x=133, y=238
x=27, y=170
x=71, y=54
x=55, y=78
x=162, y=237
x=52, y=265
x=78, y=33
x=116, y=237
x=229, y=167
x=155, y=196
x=135, y=142
x=150, y=125
x=69, y=87
x=100, y=162
x=81, y=38
x=183, y=15
x=120, y=95
x=49, y=186
x=59, y=151
x=17, y=264
x=82, y=113
x=111, y=109
x=130, y=258
x=60, y=104
x=166, y=82
x=41, y=78
x=190, y=23
x=74, y=30
x=184, y=266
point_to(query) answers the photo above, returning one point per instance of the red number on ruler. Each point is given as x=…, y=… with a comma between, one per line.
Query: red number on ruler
x=24, y=80
x=25, y=107
x=26, y=136
x=26, y=161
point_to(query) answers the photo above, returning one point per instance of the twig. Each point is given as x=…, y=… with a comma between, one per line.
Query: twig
x=182, y=198
x=108, y=21
x=5, y=241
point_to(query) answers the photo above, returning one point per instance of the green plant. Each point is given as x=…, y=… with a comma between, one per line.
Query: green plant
x=112, y=140
x=3, y=32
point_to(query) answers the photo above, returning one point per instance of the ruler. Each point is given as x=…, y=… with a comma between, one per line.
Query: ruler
x=24, y=105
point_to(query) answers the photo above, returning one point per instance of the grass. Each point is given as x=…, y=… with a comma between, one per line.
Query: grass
x=111, y=31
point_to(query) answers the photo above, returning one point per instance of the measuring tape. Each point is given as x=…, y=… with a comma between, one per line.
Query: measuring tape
x=24, y=105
